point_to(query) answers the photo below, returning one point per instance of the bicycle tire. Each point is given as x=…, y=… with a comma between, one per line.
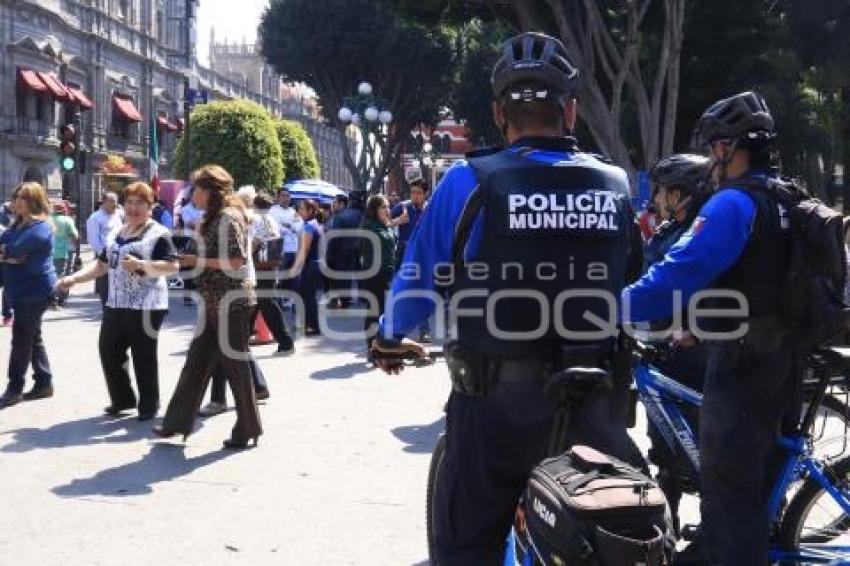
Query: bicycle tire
x=794, y=519
x=433, y=473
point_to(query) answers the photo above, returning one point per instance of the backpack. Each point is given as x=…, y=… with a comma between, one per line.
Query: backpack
x=813, y=307
x=586, y=508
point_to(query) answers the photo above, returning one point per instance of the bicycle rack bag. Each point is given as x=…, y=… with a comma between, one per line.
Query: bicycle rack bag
x=584, y=507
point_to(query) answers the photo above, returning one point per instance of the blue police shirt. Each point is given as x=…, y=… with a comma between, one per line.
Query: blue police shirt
x=715, y=241
x=433, y=238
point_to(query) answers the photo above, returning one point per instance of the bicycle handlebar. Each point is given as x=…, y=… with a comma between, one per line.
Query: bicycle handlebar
x=650, y=353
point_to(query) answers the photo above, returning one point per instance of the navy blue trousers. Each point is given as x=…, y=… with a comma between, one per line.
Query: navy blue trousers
x=492, y=444
x=749, y=398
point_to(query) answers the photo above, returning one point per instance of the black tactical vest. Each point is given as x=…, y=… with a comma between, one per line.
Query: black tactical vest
x=761, y=270
x=553, y=236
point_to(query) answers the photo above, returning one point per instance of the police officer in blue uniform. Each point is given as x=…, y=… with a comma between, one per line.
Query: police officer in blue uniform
x=738, y=243
x=539, y=227
x=679, y=191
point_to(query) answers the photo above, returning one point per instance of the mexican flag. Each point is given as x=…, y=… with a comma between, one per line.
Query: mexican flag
x=153, y=152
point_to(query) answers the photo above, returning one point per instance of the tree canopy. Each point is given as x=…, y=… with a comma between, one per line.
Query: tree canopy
x=628, y=54
x=299, y=155
x=795, y=52
x=238, y=135
x=334, y=45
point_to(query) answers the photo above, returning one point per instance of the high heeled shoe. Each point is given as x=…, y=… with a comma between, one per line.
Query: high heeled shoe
x=162, y=433
x=240, y=444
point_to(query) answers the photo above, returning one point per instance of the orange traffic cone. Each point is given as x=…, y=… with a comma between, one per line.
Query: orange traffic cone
x=263, y=334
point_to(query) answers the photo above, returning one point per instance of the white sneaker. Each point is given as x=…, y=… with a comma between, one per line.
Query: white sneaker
x=212, y=408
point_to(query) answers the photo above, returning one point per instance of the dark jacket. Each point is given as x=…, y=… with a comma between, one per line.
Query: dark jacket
x=387, y=249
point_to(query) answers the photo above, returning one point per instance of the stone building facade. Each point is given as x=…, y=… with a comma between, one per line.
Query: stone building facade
x=122, y=65
x=119, y=62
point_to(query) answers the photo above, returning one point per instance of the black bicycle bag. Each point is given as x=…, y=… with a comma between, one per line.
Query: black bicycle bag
x=586, y=508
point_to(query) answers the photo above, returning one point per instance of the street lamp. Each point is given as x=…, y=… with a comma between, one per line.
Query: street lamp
x=428, y=160
x=369, y=113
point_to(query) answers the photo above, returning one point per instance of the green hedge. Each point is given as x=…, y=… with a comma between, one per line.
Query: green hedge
x=240, y=136
x=299, y=155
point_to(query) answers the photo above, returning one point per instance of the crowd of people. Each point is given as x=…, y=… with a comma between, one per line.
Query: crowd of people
x=218, y=241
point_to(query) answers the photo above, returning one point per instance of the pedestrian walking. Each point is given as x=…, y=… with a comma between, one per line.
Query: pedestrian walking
x=228, y=302
x=306, y=266
x=290, y=225
x=100, y=224
x=405, y=218
x=267, y=250
x=65, y=234
x=26, y=250
x=381, y=257
x=342, y=252
x=137, y=258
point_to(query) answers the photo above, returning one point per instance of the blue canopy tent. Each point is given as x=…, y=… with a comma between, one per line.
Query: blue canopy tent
x=315, y=189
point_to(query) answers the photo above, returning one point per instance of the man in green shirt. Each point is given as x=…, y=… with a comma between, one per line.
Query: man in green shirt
x=64, y=235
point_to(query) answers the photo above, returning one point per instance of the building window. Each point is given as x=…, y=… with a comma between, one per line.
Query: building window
x=158, y=31
x=124, y=9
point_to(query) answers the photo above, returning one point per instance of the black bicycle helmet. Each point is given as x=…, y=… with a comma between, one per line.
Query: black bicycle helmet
x=680, y=170
x=744, y=116
x=534, y=58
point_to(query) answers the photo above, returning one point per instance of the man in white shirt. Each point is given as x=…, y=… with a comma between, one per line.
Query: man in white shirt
x=101, y=222
x=290, y=225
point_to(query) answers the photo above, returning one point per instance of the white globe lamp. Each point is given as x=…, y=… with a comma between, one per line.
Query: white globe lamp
x=364, y=88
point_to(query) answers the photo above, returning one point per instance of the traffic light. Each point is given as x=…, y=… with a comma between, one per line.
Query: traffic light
x=68, y=145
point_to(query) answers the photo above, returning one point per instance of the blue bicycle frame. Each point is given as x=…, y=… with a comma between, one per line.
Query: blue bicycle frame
x=661, y=395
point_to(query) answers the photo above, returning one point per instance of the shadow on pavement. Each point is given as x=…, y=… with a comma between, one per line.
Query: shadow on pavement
x=420, y=439
x=77, y=307
x=91, y=430
x=164, y=462
x=346, y=371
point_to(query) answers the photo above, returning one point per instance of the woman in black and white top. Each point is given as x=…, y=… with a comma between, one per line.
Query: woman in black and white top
x=138, y=257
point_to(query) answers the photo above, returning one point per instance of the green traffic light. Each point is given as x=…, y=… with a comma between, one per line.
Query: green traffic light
x=67, y=163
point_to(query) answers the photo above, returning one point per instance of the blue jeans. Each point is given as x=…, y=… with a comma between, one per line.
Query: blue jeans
x=28, y=346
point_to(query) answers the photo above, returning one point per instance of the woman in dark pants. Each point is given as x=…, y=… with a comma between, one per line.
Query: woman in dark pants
x=228, y=296
x=26, y=249
x=377, y=221
x=137, y=259
x=267, y=246
x=306, y=266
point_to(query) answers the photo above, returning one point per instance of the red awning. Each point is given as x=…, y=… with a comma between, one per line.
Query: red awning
x=76, y=95
x=125, y=108
x=53, y=84
x=28, y=79
x=173, y=126
x=162, y=122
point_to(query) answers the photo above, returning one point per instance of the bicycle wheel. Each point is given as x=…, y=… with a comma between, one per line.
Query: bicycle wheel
x=814, y=517
x=829, y=431
x=433, y=474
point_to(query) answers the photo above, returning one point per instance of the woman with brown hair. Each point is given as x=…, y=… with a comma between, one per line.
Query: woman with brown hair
x=382, y=258
x=26, y=250
x=136, y=258
x=306, y=266
x=224, y=282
